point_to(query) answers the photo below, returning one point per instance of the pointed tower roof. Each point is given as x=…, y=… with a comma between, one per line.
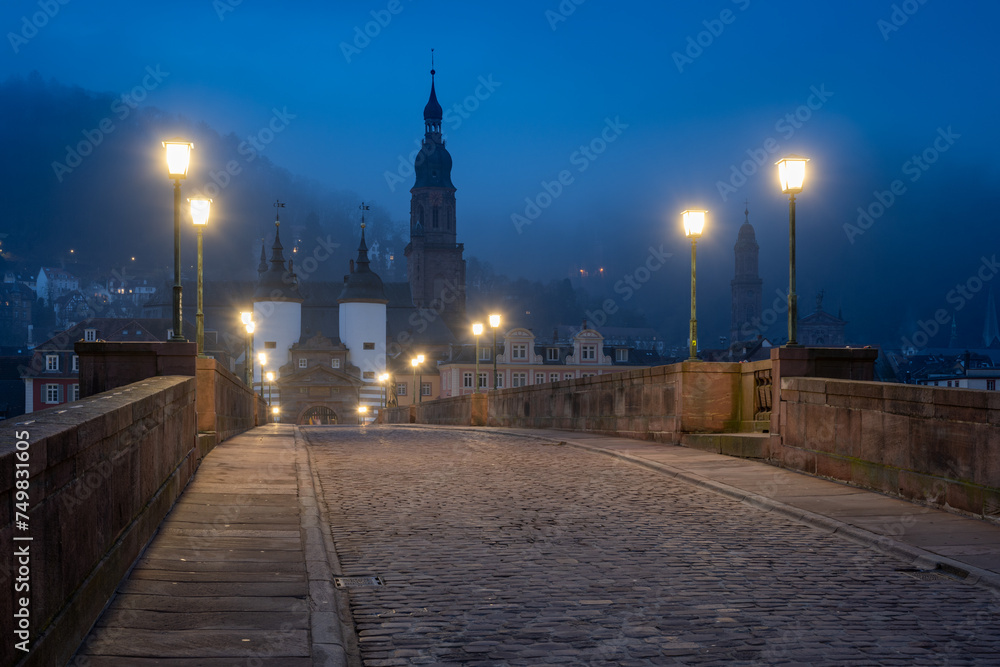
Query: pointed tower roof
x=277, y=282
x=433, y=110
x=262, y=267
x=432, y=165
x=363, y=284
x=747, y=235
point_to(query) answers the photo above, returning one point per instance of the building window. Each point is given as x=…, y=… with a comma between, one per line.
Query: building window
x=552, y=354
x=303, y=362
x=400, y=389
x=90, y=335
x=76, y=363
x=482, y=380
x=991, y=385
x=484, y=354
x=368, y=346
x=500, y=380
x=425, y=388
x=569, y=376
x=335, y=363
x=587, y=375
x=368, y=375
x=539, y=378
x=518, y=379
x=553, y=377
x=588, y=352
x=52, y=393
x=467, y=380
x=621, y=354
x=270, y=345
x=75, y=393
x=51, y=362
x=519, y=351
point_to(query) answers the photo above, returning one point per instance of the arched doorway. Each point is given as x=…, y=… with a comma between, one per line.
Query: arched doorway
x=319, y=415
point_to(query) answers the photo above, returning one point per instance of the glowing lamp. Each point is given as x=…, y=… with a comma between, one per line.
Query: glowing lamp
x=792, y=173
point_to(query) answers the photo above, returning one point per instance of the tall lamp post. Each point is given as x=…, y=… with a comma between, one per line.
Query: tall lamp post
x=694, y=223
x=791, y=175
x=495, y=324
x=362, y=412
x=270, y=379
x=477, y=331
x=200, y=209
x=415, y=362
x=262, y=358
x=178, y=159
x=246, y=318
x=383, y=380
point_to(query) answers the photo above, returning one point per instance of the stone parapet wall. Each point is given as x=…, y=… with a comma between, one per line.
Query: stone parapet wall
x=934, y=444
x=102, y=474
x=226, y=406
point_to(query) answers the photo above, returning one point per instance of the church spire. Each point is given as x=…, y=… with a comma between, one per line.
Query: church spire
x=362, y=264
x=433, y=113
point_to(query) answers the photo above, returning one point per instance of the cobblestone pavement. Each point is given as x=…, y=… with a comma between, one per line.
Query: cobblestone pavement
x=498, y=550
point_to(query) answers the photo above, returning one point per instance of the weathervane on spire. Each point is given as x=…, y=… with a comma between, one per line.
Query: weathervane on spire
x=364, y=207
x=277, y=214
x=746, y=210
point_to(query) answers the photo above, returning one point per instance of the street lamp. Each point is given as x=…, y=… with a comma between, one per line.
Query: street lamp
x=495, y=324
x=694, y=223
x=178, y=159
x=791, y=174
x=415, y=362
x=276, y=413
x=270, y=379
x=362, y=411
x=477, y=331
x=200, y=208
x=262, y=358
x=250, y=327
x=383, y=379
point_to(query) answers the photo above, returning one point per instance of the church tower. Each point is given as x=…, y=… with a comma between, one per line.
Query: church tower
x=277, y=307
x=435, y=267
x=746, y=285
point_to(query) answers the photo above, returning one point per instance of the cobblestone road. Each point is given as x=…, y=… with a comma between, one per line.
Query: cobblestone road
x=499, y=550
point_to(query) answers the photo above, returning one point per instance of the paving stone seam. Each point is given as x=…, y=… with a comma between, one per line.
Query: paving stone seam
x=342, y=650
x=914, y=556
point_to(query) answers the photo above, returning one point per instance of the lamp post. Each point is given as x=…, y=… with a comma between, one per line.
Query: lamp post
x=383, y=379
x=270, y=379
x=791, y=174
x=495, y=324
x=477, y=331
x=200, y=209
x=178, y=159
x=415, y=362
x=262, y=358
x=362, y=411
x=250, y=327
x=246, y=318
x=276, y=414
x=694, y=223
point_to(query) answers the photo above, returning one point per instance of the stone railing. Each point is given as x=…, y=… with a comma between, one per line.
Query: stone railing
x=226, y=406
x=101, y=474
x=934, y=444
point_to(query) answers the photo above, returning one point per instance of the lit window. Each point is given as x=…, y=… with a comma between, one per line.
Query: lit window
x=621, y=354
x=425, y=388
x=589, y=352
x=335, y=363
x=51, y=362
x=552, y=354
x=519, y=379
x=303, y=362
x=76, y=363
x=519, y=351
x=369, y=346
x=400, y=389
x=467, y=380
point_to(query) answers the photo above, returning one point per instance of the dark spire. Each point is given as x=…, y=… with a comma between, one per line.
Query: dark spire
x=361, y=265
x=262, y=267
x=277, y=282
x=362, y=284
x=433, y=113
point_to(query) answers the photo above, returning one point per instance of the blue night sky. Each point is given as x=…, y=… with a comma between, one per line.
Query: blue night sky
x=685, y=116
